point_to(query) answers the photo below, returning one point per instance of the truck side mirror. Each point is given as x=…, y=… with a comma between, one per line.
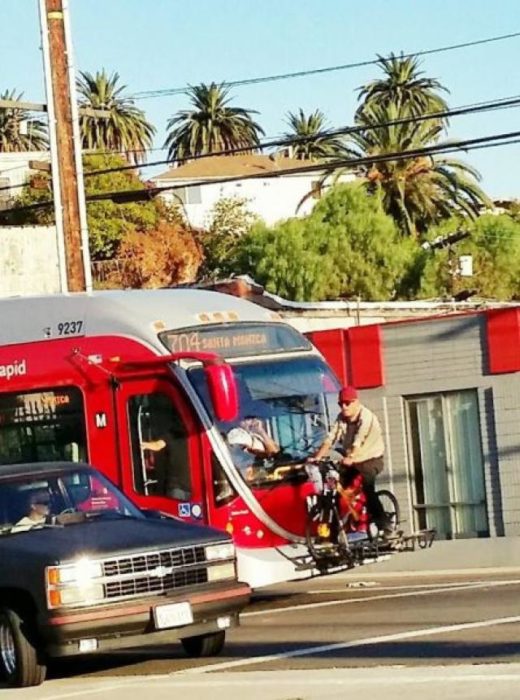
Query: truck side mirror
x=222, y=390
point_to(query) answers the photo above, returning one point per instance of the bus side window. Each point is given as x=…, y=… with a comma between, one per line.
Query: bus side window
x=42, y=426
x=159, y=447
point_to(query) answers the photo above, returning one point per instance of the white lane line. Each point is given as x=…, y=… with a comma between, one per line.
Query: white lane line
x=322, y=649
x=362, y=586
x=364, y=599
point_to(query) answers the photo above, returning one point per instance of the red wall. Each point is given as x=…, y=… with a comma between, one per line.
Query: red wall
x=355, y=354
x=333, y=346
x=503, y=340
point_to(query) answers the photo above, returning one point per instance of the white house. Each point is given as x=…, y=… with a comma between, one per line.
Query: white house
x=15, y=169
x=272, y=197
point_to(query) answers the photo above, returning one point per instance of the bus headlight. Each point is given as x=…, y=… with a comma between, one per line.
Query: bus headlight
x=74, y=584
x=225, y=550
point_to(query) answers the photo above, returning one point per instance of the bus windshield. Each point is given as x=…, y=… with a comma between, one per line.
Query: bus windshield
x=286, y=408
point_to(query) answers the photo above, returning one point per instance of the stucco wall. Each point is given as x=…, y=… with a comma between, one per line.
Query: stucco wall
x=28, y=260
x=272, y=199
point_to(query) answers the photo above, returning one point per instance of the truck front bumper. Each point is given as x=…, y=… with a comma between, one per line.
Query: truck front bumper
x=131, y=624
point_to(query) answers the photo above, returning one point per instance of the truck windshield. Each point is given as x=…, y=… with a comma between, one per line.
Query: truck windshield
x=286, y=409
x=58, y=499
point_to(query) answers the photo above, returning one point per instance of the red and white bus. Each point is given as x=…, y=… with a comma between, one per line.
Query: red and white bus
x=127, y=380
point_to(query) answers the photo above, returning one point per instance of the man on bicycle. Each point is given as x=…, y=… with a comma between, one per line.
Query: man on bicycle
x=359, y=434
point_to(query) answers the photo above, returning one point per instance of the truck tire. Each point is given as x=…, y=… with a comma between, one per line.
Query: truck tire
x=210, y=644
x=19, y=659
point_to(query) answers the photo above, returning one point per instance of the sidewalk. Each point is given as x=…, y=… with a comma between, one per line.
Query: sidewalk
x=451, y=555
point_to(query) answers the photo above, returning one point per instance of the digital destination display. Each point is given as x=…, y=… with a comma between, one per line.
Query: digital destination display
x=236, y=340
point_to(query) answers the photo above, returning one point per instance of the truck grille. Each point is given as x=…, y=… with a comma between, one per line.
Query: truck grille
x=154, y=572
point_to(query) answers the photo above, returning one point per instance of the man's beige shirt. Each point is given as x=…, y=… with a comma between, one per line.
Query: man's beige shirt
x=368, y=438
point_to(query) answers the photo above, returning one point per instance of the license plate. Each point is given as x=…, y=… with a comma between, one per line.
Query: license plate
x=173, y=615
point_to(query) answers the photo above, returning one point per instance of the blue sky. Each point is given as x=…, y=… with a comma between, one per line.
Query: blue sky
x=159, y=44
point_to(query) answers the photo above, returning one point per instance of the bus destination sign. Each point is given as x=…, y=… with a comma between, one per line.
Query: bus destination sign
x=236, y=340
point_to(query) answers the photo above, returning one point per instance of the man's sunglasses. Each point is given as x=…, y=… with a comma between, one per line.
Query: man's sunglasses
x=346, y=403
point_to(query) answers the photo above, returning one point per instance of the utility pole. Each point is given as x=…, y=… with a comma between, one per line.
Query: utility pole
x=67, y=168
x=447, y=242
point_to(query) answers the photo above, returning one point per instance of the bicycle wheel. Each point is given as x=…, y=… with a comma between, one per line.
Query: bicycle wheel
x=319, y=542
x=391, y=508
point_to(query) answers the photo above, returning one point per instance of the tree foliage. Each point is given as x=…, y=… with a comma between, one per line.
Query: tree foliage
x=312, y=141
x=229, y=221
x=210, y=125
x=108, y=221
x=422, y=190
x=162, y=257
x=493, y=243
x=125, y=130
x=404, y=86
x=19, y=131
x=347, y=247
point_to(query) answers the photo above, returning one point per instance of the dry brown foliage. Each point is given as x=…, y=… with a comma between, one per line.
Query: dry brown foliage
x=163, y=257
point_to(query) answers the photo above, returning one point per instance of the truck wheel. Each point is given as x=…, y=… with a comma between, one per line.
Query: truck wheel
x=205, y=644
x=19, y=660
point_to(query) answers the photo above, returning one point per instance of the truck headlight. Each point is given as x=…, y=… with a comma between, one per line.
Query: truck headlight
x=73, y=595
x=219, y=572
x=74, y=584
x=225, y=550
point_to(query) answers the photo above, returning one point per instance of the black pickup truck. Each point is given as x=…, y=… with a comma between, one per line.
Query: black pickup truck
x=83, y=570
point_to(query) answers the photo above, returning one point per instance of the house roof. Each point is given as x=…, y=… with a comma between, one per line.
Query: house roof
x=229, y=166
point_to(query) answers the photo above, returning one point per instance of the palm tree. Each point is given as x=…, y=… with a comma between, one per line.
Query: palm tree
x=420, y=190
x=211, y=125
x=125, y=130
x=312, y=141
x=404, y=86
x=18, y=130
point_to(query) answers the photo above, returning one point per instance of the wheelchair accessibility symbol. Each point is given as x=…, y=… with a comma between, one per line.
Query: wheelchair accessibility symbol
x=184, y=510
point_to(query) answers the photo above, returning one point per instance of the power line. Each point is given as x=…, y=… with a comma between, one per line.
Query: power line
x=476, y=107
x=146, y=94
x=500, y=103
x=143, y=194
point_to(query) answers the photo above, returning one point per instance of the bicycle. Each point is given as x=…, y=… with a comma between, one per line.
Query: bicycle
x=337, y=532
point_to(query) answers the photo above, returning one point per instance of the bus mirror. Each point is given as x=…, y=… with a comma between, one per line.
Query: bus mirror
x=223, y=391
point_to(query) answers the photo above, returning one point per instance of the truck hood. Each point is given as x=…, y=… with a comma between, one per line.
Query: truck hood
x=105, y=538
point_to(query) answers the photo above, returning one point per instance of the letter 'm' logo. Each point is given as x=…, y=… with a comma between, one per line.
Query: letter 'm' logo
x=101, y=420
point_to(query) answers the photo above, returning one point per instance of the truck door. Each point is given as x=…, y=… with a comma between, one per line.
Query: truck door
x=160, y=448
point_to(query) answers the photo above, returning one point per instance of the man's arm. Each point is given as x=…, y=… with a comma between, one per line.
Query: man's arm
x=154, y=445
x=329, y=441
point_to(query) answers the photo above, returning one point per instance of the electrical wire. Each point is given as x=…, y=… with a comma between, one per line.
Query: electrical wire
x=142, y=194
x=500, y=103
x=146, y=94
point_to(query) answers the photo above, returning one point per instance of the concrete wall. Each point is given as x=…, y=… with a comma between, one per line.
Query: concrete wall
x=28, y=260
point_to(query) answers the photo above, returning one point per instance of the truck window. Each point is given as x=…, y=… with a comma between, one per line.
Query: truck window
x=42, y=426
x=159, y=447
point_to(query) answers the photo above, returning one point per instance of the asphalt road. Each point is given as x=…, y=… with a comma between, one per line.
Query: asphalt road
x=435, y=635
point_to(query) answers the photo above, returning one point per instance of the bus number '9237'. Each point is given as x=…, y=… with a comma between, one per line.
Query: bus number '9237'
x=69, y=327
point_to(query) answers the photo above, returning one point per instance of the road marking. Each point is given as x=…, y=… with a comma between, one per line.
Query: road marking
x=364, y=599
x=362, y=586
x=308, y=651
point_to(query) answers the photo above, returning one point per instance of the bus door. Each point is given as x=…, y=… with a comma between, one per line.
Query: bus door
x=160, y=448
